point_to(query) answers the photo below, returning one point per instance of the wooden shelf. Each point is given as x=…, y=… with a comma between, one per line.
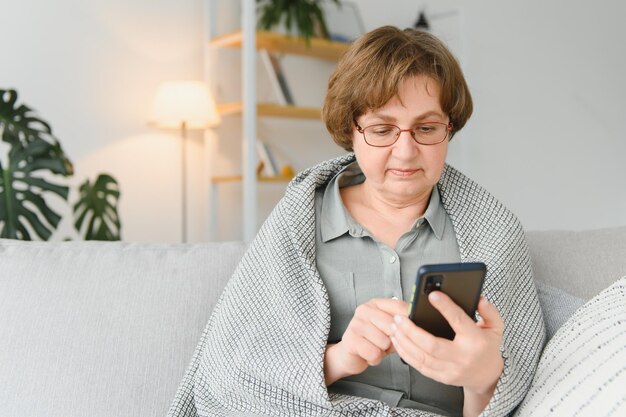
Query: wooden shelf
x=238, y=178
x=273, y=110
x=277, y=42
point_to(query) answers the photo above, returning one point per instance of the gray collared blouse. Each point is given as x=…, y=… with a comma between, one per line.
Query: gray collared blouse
x=356, y=267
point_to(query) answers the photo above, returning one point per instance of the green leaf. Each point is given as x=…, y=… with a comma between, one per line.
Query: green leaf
x=33, y=153
x=51, y=217
x=98, y=206
x=19, y=122
x=43, y=231
x=60, y=190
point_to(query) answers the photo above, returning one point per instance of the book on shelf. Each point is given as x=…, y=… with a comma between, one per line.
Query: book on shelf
x=270, y=167
x=277, y=78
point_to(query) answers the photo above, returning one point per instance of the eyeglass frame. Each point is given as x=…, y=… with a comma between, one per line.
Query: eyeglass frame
x=411, y=131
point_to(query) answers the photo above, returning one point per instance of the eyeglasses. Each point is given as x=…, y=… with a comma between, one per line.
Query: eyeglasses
x=382, y=135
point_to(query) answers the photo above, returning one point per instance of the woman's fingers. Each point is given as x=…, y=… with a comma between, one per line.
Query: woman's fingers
x=427, y=364
x=368, y=333
x=372, y=313
x=490, y=316
x=420, y=338
x=390, y=307
x=372, y=333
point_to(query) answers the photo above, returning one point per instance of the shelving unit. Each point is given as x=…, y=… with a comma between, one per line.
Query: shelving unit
x=250, y=41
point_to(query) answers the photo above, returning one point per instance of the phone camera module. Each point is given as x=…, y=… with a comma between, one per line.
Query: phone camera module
x=433, y=283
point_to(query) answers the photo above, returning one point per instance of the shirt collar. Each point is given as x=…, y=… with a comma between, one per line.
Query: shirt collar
x=336, y=221
x=435, y=214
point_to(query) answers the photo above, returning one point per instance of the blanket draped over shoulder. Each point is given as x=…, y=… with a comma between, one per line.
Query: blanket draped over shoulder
x=262, y=351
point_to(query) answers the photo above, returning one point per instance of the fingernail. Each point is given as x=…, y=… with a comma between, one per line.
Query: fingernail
x=393, y=340
x=397, y=318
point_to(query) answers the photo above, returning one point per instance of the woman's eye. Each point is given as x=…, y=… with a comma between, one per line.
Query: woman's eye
x=382, y=131
x=424, y=129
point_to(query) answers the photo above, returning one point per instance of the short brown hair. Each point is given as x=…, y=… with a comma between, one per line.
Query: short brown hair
x=371, y=71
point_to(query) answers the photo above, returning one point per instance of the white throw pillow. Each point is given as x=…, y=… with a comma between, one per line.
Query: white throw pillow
x=582, y=371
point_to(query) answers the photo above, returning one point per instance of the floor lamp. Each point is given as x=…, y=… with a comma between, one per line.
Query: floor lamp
x=184, y=105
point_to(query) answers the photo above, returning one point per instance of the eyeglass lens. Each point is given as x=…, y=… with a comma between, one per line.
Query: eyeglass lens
x=386, y=135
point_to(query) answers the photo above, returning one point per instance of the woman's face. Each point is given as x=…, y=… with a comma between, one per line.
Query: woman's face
x=405, y=171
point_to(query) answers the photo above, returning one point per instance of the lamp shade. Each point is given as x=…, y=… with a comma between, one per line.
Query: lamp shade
x=188, y=102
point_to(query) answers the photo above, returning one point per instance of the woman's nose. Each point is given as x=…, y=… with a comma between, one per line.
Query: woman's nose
x=406, y=145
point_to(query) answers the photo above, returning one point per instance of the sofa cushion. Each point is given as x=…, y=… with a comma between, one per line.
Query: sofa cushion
x=557, y=306
x=102, y=329
x=582, y=370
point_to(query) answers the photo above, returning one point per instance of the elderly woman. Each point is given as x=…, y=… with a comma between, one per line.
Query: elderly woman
x=314, y=320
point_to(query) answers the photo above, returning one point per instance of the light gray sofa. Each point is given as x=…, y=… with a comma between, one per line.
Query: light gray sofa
x=107, y=329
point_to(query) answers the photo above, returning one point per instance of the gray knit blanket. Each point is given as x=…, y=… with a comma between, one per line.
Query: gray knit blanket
x=262, y=351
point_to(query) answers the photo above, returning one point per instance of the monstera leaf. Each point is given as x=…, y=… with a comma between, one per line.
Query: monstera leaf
x=33, y=153
x=98, y=204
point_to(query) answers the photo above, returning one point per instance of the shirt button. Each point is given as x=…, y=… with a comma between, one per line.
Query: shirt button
x=392, y=259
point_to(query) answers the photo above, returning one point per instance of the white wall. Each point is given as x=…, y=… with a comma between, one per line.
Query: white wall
x=546, y=77
x=91, y=69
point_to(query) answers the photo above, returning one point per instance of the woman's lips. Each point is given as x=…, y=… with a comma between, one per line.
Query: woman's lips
x=403, y=172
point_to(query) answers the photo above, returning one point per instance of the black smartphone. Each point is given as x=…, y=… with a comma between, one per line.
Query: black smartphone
x=462, y=282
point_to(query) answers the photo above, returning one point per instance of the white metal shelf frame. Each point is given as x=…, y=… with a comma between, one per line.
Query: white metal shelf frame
x=249, y=115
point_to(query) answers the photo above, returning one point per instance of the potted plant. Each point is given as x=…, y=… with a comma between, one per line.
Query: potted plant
x=33, y=156
x=305, y=16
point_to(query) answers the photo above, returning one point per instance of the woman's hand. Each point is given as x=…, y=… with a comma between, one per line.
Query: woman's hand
x=472, y=360
x=366, y=340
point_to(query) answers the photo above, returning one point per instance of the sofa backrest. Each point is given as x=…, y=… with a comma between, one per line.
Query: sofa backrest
x=103, y=329
x=582, y=263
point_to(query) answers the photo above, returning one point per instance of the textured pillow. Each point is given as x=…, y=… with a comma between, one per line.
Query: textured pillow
x=557, y=306
x=582, y=371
